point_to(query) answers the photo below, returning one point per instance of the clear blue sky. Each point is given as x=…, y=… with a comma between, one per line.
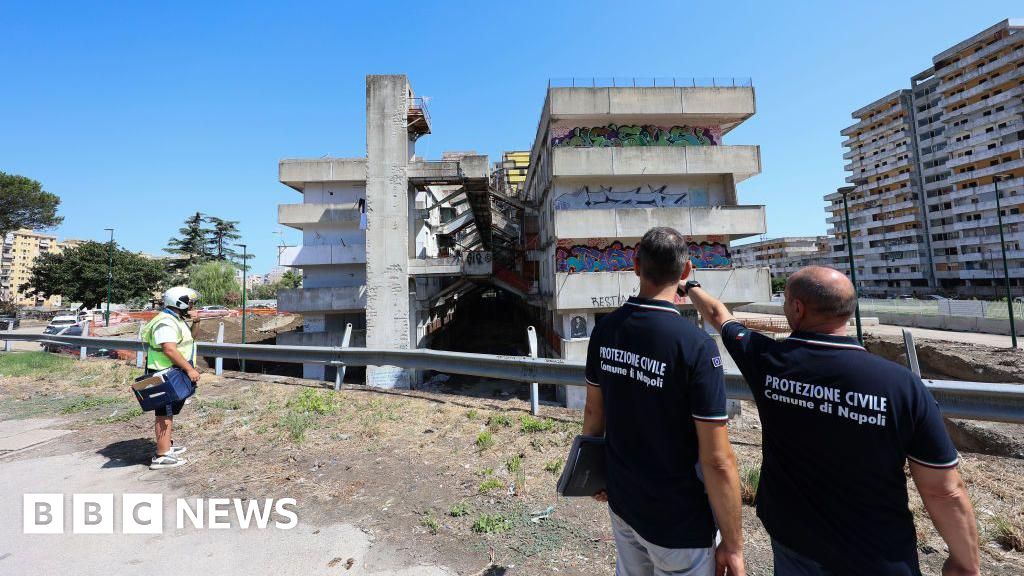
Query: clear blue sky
x=139, y=113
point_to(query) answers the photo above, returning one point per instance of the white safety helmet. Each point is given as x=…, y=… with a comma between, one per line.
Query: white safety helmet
x=180, y=297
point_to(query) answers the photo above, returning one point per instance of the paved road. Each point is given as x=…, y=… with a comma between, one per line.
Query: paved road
x=995, y=340
x=304, y=550
x=28, y=346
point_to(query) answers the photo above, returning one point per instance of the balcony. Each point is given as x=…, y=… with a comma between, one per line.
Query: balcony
x=983, y=53
x=306, y=215
x=320, y=300
x=435, y=173
x=732, y=221
x=983, y=87
x=740, y=161
x=323, y=255
x=296, y=173
x=697, y=106
x=607, y=290
x=946, y=83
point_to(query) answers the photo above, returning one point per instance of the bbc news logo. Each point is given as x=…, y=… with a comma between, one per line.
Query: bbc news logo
x=144, y=513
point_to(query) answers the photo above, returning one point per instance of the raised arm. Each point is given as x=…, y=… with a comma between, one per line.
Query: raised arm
x=718, y=463
x=945, y=498
x=709, y=308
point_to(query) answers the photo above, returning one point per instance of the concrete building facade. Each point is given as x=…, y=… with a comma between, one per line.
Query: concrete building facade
x=19, y=252
x=608, y=164
x=784, y=256
x=924, y=166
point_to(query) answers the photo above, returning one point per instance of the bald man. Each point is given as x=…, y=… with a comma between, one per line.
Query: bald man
x=838, y=426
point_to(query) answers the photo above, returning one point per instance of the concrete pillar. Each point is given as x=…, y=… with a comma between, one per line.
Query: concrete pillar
x=387, y=212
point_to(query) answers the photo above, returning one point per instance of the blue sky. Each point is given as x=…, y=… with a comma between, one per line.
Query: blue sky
x=139, y=113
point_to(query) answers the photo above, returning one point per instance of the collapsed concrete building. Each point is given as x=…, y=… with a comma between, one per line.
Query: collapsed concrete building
x=392, y=242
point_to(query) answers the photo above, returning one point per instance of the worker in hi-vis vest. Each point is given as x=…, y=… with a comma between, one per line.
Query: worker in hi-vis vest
x=171, y=343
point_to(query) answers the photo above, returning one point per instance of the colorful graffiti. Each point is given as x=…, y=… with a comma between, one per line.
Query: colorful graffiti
x=613, y=135
x=604, y=255
x=595, y=255
x=648, y=196
x=710, y=255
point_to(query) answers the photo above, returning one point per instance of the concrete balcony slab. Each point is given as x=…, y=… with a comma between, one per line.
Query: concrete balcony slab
x=325, y=255
x=726, y=106
x=608, y=290
x=331, y=339
x=734, y=222
x=296, y=173
x=740, y=161
x=320, y=300
x=305, y=215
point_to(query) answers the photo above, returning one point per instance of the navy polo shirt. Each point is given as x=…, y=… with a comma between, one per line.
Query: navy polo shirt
x=658, y=373
x=838, y=425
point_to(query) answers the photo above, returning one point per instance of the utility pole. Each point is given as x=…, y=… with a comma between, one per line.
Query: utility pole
x=1006, y=269
x=110, y=275
x=244, y=266
x=853, y=269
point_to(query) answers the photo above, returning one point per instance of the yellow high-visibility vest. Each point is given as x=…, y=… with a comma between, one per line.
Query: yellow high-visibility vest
x=156, y=359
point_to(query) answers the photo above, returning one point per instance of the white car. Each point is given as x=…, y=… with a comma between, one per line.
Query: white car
x=213, y=311
x=60, y=323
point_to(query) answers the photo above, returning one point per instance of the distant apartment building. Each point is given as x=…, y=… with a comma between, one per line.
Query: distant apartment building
x=924, y=166
x=19, y=252
x=784, y=256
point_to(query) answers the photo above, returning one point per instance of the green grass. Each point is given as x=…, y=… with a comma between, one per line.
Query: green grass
x=491, y=523
x=499, y=420
x=750, y=478
x=86, y=402
x=296, y=424
x=486, y=472
x=484, y=440
x=311, y=401
x=514, y=464
x=530, y=424
x=34, y=363
x=490, y=484
x=123, y=416
x=554, y=466
x=430, y=523
x=458, y=510
x=219, y=404
x=471, y=414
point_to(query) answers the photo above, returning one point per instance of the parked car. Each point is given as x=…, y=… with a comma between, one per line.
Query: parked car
x=934, y=297
x=905, y=297
x=60, y=323
x=9, y=322
x=214, y=311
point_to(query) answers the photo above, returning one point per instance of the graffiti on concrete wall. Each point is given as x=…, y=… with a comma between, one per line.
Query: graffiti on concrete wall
x=593, y=255
x=710, y=255
x=614, y=135
x=647, y=196
x=607, y=255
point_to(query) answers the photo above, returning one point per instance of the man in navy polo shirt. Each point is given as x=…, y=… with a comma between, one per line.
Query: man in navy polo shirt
x=839, y=424
x=657, y=392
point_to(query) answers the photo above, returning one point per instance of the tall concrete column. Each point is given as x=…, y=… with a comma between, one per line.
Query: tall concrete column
x=387, y=213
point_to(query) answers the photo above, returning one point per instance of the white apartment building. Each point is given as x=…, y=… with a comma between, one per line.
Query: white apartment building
x=925, y=164
x=784, y=256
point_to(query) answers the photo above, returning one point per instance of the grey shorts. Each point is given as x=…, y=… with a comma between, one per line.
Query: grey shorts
x=635, y=556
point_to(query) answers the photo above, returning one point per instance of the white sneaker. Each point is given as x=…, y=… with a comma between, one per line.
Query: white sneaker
x=177, y=450
x=166, y=461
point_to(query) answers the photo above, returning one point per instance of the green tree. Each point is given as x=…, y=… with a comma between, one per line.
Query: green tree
x=216, y=281
x=778, y=285
x=24, y=204
x=290, y=279
x=191, y=244
x=223, y=236
x=79, y=274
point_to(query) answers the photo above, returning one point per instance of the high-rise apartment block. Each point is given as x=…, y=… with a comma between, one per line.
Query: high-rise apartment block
x=784, y=256
x=19, y=252
x=925, y=163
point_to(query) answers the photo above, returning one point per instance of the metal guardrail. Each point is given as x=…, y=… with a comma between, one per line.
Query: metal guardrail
x=965, y=400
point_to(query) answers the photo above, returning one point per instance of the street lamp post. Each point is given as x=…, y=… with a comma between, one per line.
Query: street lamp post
x=244, y=266
x=1006, y=268
x=853, y=269
x=110, y=275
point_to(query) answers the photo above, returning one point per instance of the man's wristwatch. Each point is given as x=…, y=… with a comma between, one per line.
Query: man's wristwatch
x=690, y=284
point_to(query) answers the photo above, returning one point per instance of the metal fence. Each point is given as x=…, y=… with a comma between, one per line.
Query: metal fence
x=968, y=308
x=966, y=400
x=648, y=82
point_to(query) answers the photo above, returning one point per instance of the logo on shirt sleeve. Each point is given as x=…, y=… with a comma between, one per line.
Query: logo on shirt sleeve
x=717, y=361
x=741, y=335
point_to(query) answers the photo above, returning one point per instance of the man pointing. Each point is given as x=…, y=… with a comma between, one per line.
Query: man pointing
x=839, y=425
